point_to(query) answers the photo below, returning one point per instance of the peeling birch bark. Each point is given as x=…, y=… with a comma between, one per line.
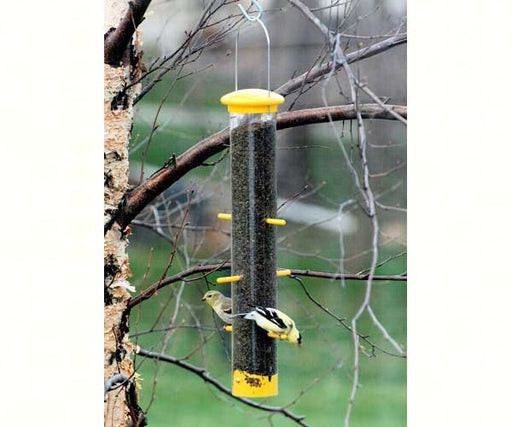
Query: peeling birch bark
x=119, y=410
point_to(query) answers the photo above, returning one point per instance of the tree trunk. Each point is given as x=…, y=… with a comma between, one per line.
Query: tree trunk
x=121, y=407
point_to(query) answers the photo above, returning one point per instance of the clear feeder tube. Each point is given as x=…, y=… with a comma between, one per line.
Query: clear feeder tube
x=253, y=249
x=253, y=114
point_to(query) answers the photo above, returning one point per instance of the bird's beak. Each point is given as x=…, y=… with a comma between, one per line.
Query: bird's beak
x=203, y=299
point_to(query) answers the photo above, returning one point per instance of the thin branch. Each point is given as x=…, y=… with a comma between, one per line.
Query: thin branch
x=158, y=229
x=310, y=15
x=361, y=37
x=190, y=46
x=158, y=330
x=297, y=195
x=209, y=379
x=340, y=58
x=388, y=172
x=369, y=92
x=149, y=292
x=116, y=42
x=338, y=113
x=329, y=38
x=303, y=89
x=206, y=270
x=142, y=195
x=326, y=68
x=155, y=125
x=343, y=322
x=380, y=264
x=313, y=383
x=347, y=276
x=390, y=208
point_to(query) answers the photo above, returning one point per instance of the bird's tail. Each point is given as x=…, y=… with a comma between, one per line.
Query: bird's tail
x=240, y=314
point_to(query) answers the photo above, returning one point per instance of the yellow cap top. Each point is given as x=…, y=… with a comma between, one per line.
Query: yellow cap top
x=252, y=101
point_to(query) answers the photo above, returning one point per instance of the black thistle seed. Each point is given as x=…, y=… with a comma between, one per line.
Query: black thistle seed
x=253, y=190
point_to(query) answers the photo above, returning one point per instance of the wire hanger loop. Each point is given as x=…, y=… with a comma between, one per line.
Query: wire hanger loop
x=249, y=17
x=253, y=19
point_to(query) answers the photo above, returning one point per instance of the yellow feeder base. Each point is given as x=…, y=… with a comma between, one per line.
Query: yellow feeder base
x=253, y=385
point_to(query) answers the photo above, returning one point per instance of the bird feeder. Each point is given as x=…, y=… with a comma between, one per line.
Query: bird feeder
x=253, y=242
x=252, y=120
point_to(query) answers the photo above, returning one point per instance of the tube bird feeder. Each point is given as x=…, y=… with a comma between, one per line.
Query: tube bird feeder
x=253, y=242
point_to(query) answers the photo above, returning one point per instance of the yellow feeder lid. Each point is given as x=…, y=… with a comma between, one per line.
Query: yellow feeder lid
x=252, y=101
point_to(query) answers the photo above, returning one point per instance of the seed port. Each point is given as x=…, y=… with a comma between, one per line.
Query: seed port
x=228, y=279
x=282, y=273
x=225, y=216
x=275, y=221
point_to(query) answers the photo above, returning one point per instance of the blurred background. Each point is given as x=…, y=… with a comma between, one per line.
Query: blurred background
x=327, y=228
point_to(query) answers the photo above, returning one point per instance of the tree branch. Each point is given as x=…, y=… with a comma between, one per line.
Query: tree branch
x=311, y=16
x=338, y=112
x=150, y=291
x=117, y=40
x=142, y=195
x=343, y=322
x=201, y=372
x=209, y=269
x=347, y=276
x=326, y=68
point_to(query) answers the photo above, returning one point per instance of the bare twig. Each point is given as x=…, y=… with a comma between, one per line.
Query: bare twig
x=361, y=37
x=390, y=208
x=337, y=113
x=158, y=229
x=369, y=92
x=190, y=45
x=206, y=270
x=313, y=383
x=365, y=189
x=380, y=264
x=293, y=197
x=308, y=14
x=343, y=322
x=367, y=193
x=347, y=276
x=149, y=292
x=155, y=126
x=175, y=244
x=358, y=55
x=388, y=172
x=156, y=330
x=209, y=379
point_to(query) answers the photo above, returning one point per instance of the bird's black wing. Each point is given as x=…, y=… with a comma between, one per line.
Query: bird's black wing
x=271, y=315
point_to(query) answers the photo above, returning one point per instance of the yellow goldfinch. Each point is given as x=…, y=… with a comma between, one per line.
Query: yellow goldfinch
x=220, y=304
x=278, y=324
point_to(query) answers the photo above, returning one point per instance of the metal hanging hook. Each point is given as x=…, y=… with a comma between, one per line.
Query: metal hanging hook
x=253, y=19
x=249, y=17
